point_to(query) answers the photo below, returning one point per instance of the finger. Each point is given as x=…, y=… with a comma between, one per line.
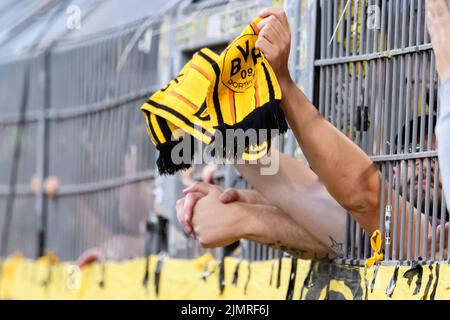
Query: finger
x=277, y=12
x=277, y=27
x=179, y=205
x=200, y=187
x=188, y=210
x=272, y=35
x=265, y=34
x=264, y=46
x=180, y=215
x=229, y=195
x=284, y=31
x=208, y=173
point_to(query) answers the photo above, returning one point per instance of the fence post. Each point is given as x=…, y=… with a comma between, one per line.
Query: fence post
x=42, y=159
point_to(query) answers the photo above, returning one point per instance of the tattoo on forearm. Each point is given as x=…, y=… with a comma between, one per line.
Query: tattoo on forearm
x=337, y=247
x=298, y=253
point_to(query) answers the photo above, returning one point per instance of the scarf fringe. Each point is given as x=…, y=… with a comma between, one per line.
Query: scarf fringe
x=267, y=117
x=165, y=164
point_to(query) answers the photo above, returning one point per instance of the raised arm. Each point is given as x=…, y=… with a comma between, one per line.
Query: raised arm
x=345, y=170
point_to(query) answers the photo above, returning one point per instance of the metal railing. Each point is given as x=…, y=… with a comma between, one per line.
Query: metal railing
x=82, y=124
x=378, y=84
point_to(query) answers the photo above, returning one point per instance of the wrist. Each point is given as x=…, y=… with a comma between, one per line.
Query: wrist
x=296, y=105
x=248, y=224
x=286, y=83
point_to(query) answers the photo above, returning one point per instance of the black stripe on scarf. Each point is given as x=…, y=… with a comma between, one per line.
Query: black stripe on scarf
x=164, y=128
x=151, y=127
x=269, y=82
x=180, y=117
x=216, y=101
x=202, y=109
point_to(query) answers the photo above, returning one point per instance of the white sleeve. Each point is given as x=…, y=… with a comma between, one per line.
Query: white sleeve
x=443, y=138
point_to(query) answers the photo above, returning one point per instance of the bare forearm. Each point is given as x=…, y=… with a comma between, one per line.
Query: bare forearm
x=345, y=170
x=269, y=225
x=297, y=191
x=291, y=175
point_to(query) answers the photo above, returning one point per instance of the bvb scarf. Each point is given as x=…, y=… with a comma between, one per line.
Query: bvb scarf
x=214, y=95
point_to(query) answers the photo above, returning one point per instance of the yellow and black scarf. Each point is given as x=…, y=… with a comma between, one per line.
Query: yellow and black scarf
x=211, y=94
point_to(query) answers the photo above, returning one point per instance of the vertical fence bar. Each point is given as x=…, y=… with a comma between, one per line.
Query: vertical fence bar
x=334, y=13
x=322, y=56
x=435, y=213
x=340, y=55
x=329, y=31
x=42, y=160
x=399, y=142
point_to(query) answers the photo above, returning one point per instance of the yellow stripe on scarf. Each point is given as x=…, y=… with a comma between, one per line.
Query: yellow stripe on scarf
x=237, y=90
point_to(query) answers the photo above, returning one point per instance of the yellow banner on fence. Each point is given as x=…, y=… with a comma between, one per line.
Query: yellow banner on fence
x=206, y=278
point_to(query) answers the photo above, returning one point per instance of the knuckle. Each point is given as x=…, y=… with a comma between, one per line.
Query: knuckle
x=232, y=190
x=195, y=185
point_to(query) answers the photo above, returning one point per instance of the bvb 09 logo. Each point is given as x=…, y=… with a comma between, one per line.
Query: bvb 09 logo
x=239, y=64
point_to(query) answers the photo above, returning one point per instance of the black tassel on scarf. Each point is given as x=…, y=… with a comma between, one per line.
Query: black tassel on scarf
x=165, y=163
x=268, y=117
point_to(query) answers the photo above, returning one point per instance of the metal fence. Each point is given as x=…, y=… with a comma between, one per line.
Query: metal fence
x=367, y=64
x=376, y=81
x=79, y=121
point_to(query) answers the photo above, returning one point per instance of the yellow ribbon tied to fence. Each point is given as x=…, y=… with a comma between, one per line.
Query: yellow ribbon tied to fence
x=214, y=94
x=375, y=242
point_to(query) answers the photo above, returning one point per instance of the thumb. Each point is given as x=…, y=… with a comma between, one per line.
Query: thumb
x=229, y=195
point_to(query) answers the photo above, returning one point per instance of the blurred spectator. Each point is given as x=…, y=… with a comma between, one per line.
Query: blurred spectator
x=134, y=203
